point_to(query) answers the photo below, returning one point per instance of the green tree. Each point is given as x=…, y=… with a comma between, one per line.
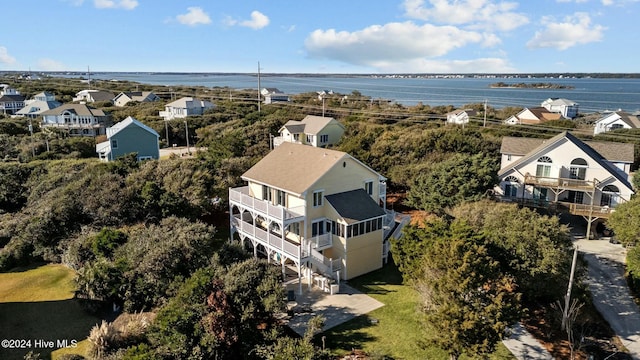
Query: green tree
x=625, y=221
x=454, y=181
x=468, y=301
x=535, y=249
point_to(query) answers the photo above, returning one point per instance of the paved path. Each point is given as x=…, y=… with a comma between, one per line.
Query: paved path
x=609, y=290
x=524, y=346
x=336, y=309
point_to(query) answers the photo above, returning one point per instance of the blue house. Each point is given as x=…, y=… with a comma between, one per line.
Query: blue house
x=129, y=136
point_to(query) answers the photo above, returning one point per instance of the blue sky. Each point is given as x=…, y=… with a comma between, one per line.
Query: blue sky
x=329, y=36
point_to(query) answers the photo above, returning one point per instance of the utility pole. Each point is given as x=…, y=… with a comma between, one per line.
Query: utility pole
x=259, y=86
x=567, y=298
x=89, y=76
x=33, y=151
x=484, y=124
x=186, y=129
x=166, y=131
x=322, y=105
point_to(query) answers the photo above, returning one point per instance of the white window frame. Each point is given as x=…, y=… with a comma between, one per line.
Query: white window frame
x=368, y=187
x=318, y=198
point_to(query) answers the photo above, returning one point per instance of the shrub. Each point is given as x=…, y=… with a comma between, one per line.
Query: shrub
x=633, y=269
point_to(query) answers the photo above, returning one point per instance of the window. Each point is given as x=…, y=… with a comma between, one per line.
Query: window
x=540, y=193
x=114, y=143
x=610, y=196
x=309, y=139
x=578, y=169
x=324, y=139
x=281, y=198
x=318, y=228
x=266, y=193
x=543, y=168
x=294, y=228
x=296, y=137
x=368, y=187
x=508, y=157
x=317, y=198
x=510, y=190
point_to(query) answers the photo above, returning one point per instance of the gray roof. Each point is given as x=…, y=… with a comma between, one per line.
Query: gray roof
x=588, y=150
x=78, y=109
x=129, y=121
x=11, y=98
x=611, y=151
x=355, y=205
x=294, y=167
x=311, y=124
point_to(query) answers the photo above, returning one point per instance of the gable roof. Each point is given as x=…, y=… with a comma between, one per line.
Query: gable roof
x=355, y=205
x=611, y=151
x=78, y=109
x=295, y=167
x=559, y=101
x=311, y=124
x=11, y=98
x=544, y=114
x=588, y=150
x=185, y=102
x=129, y=121
x=631, y=120
x=135, y=95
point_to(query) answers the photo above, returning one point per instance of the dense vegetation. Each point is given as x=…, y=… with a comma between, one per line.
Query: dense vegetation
x=141, y=236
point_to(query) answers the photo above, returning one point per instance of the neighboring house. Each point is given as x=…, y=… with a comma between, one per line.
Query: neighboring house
x=324, y=93
x=129, y=136
x=78, y=119
x=140, y=96
x=318, y=211
x=567, y=108
x=89, y=96
x=616, y=120
x=272, y=95
x=312, y=130
x=40, y=103
x=531, y=116
x=566, y=174
x=6, y=89
x=186, y=106
x=461, y=116
x=11, y=104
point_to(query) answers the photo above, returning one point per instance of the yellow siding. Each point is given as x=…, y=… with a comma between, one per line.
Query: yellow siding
x=255, y=190
x=334, y=130
x=364, y=254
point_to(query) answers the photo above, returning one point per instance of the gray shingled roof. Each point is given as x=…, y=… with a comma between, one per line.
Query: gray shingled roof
x=612, y=151
x=79, y=109
x=590, y=151
x=355, y=205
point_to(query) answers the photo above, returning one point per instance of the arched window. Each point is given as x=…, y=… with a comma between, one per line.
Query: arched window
x=578, y=169
x=511, y=186
x=543, y=169
x=610, y=196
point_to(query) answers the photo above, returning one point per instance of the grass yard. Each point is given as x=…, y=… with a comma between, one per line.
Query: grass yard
x=37, y=305
x=393, y=330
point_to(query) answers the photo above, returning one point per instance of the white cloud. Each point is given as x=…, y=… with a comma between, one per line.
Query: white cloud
x=258, y=21
x=50, y=65
x=74, y=2
x=575, y=1
x=477, y=14
x=115, y=4
x=618, y=2
x=194, y=16
x=574, y=30
x=390, y=45
x=5, y=58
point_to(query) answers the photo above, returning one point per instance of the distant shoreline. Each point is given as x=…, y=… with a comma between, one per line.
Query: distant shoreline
x=542, y=86
x=529, y=76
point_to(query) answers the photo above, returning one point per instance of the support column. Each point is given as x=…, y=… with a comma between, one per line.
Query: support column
x=299, y=278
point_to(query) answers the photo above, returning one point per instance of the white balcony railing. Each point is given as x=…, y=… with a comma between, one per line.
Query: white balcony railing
x=241, y=197
x=321, y=242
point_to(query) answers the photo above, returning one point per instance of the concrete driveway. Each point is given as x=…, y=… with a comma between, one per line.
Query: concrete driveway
x=609, y=290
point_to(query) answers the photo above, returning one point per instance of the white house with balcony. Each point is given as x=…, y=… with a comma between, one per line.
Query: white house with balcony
x=40, y=103
x=616, y=120
x=567, y=108
x=313, y=130
x=273, y=95
x=77, y=119
x=564, y=173
x=186, y=106
x=318, y=212
x=93, y=95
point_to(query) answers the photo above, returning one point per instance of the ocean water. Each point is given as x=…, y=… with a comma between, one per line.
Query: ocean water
x=593, y=94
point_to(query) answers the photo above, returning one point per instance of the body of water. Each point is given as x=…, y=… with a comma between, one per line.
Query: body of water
x=593, y=94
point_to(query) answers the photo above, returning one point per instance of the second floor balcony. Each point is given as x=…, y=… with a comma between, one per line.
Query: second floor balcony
x=242, y=197
x=563, y=183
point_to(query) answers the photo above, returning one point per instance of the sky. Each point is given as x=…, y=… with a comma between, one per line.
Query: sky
x=329, y=36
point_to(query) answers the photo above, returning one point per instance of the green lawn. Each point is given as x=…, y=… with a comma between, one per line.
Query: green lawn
x=395, y=330
x=37, y=304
